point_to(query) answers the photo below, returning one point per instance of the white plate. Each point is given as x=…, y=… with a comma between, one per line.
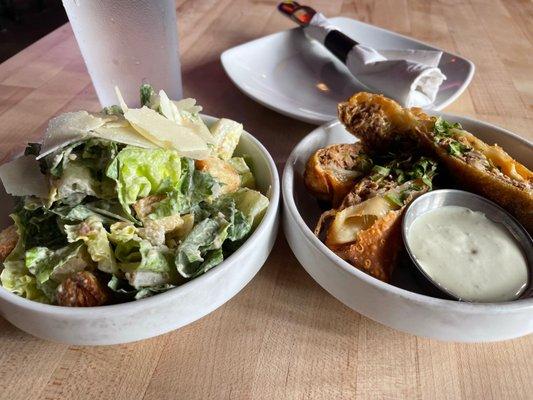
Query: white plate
x=301, y=79
x=163, y=312
x=400, y=305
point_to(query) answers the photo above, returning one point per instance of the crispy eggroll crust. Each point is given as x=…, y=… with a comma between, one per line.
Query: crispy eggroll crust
x=517, y=201
x=332, y=171
x=379, y=122
x=376, y=249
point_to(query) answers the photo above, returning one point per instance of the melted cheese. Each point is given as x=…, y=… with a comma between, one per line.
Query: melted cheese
x=354, y=219
x=507, y=165
x=497, y=156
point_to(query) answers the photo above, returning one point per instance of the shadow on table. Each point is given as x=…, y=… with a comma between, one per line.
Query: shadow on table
x=213, y=89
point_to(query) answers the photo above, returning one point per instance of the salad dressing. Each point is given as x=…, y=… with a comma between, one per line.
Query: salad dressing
x=469, y=255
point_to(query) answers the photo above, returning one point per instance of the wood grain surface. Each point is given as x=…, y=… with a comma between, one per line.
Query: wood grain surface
x=283, y=336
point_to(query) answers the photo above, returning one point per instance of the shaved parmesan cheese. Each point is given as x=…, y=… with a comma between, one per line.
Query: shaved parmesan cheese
x=166, y=133
x=23, y=177
x=123, y=134
x=188, y=104
x=226, y=134
x=68, y=128
x=167, y=108
x=121, y=101
x=184, y=115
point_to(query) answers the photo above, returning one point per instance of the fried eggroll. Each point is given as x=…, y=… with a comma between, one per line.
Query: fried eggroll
x=365, y=229
x=380, y=122
x=332, y=171
x=481, y=168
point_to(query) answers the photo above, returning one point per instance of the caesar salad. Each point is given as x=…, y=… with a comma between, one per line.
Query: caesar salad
x=126, y=203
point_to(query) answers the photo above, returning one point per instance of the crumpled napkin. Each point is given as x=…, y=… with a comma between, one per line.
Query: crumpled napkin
x=411, y=77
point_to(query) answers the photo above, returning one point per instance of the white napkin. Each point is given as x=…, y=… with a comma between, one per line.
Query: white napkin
x=411, y=77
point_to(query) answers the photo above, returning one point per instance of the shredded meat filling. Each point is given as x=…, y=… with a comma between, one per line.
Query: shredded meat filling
x=479, y=161
x=365, y=190
x=345, y=157
x=368, y=122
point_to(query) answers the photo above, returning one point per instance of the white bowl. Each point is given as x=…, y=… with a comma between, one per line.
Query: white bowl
x=163, y=312
x=396, y=306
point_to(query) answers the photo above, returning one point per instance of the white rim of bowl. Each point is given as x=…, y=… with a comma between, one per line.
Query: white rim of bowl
x=288, y=199
x=131, y=306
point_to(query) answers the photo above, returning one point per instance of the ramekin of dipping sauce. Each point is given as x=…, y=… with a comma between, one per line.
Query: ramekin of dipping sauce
x=468, y=247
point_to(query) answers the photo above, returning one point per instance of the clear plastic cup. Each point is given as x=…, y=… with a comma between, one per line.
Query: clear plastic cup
x=126, y=43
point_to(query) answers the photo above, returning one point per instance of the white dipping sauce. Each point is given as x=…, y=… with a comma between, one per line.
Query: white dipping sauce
x=469, y=255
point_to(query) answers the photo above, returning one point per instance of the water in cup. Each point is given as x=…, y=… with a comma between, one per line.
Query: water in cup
x=125, y=43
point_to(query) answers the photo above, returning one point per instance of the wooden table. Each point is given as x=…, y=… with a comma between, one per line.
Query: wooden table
x=283, y=336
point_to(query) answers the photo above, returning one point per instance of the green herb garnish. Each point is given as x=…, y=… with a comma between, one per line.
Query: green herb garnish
x=379, y=172
x=442, y=127
x=113, y=110
x=394, y=199
x=457, y=149
x=147, y=92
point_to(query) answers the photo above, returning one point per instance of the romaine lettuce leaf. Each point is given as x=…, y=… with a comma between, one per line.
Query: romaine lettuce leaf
x=142, y=172
x=75, y=183
x=231, y=217
x=201, y=249
x=155, y=267
x=121, y=286
x=150, y=291
x=44, y=263
x=128, y=254
x=56, y=162
x=226, y=134
x=123, y=232
x=251, y=203
x=22, y=284
x=108, y=211
x=18, y=251
x=195, y=187
x=112, y=110
x=78, y=170
x=127, y=244
x=97, y=154
x=15, y=277
x=239, y=226
x=240, y=165
x=77, y=213
x=93, y=234
x=111, y=209
x=148, y=96
x=40, y=228
x=124, y=290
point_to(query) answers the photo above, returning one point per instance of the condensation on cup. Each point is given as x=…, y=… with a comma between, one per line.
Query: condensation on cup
x=126, y=43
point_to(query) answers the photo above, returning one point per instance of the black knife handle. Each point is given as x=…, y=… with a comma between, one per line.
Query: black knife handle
x=339, y=44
